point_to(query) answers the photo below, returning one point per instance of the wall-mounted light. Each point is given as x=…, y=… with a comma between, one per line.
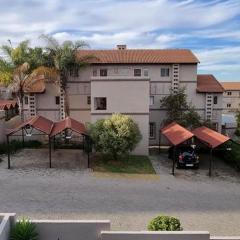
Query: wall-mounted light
x=68, y=134
x=28, y=130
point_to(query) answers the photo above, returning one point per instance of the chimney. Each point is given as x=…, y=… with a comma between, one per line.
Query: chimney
x=122, y=47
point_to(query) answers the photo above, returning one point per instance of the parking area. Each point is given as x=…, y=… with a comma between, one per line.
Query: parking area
x=66, y=192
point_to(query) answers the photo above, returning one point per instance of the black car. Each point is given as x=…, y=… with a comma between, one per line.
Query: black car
x=186, y=157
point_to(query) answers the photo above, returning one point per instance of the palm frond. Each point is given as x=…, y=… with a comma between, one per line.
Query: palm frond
x=52, y=43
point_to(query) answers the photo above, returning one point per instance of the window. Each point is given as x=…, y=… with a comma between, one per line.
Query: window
x=88, y=100
x=26, y=100
x=57, y=100
x=94, y=72
x=152, y=130
x=228, y=105
x=145, y=72
x=100, y=103
x=229, y=93
x=151, y=100
x=73, y=72
x=137, y=72
x=215, y=100
x=164, y=72
x=103, y=72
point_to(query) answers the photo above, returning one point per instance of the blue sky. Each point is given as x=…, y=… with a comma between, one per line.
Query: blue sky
x=210, y=28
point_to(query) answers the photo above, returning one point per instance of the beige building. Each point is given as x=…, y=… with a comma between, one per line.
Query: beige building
x=131, y=82
x=231, y=97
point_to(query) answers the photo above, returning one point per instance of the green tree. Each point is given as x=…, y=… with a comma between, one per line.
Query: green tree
x=237, y=117
x=21, y=67
x=178, y=109
x=64, y=58
x=115, y=136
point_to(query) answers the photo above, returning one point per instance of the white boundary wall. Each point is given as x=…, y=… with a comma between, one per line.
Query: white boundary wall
x=98, y=230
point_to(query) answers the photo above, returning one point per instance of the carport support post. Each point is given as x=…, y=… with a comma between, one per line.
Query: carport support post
x=210, y=162
x=174, y=159
x=50, y=152
x=8, y=152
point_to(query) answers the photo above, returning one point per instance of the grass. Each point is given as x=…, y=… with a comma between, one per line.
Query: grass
x=128, y=164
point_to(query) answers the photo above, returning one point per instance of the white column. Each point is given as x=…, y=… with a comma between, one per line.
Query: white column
x=175, y=77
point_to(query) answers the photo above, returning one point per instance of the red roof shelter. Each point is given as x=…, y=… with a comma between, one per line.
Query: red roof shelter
x=46, y=127
x=176, y=134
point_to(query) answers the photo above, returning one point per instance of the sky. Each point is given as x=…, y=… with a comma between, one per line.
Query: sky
x=210, y=28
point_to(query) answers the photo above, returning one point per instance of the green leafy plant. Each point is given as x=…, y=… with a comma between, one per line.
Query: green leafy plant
x=24, y=230
x=165, y=223
x=115, y=136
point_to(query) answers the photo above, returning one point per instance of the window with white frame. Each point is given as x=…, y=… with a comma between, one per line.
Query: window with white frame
x=151, y=100
x=229, y=93
x=100, y=103
x=94, y=72
x=152, y=130
x=103, y=72
x=145, y=72
x=165, y=72
x=137, y=72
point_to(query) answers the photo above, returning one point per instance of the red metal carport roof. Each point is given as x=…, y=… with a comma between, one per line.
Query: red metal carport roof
x=68, y=123
x=210, y=136
x=176, y=134
x=38, y=122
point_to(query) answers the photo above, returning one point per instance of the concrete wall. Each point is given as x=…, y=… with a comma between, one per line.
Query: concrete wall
x=145, y=235
x=98, y=230
x=6, y=221
x=71, y=230
x=233, y=99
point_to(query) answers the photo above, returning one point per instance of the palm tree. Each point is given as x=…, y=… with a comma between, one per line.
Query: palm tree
x=21, y=67
x=65, y=60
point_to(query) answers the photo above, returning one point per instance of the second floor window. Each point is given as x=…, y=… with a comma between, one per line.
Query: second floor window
x=228, y=105
x=100, y=103
x=164, y=72
x=137, y=72
x=88, y=100
x=215, y=100
x=103, y=72
x=57, y=100
x=26, y=100
x=152, y=130
x=229, y=93
x=151, y=100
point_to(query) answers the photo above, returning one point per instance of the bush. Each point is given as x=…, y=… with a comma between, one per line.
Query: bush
x=165, y=223
x=115, y=136
x=23, y=230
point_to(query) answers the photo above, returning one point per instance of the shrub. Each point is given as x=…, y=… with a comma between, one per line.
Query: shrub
x=165, y=223
x=115, y=136
x=23, y=230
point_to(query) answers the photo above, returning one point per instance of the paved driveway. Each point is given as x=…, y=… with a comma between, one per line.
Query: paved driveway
x=130, y=203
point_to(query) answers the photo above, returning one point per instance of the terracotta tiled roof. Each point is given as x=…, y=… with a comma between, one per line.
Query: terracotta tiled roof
x=175, y=133
x=68, y=123
x=7, y=104
x=231, y=86
x=38, y=122
x=208, y=83
x=210, y=136
x=140, y=56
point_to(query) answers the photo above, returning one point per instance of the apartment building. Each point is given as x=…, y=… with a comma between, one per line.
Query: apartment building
x=131, y=82
x=231, y=97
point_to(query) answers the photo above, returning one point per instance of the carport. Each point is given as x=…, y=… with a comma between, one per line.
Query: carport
x=42, y=125
x=212, y=139
x=176, y=135
x=46, y=127
x=67, y=127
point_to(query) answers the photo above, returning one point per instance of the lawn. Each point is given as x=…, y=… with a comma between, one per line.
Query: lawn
x=129, y=164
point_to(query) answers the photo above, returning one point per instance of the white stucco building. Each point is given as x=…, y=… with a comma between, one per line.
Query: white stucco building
x=131, y=82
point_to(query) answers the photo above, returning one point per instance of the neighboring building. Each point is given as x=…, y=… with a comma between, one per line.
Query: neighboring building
x=131, y=82
x=231, y=97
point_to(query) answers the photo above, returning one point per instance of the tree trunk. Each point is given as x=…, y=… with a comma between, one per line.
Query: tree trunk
x=63, y=85
x=20, y=103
